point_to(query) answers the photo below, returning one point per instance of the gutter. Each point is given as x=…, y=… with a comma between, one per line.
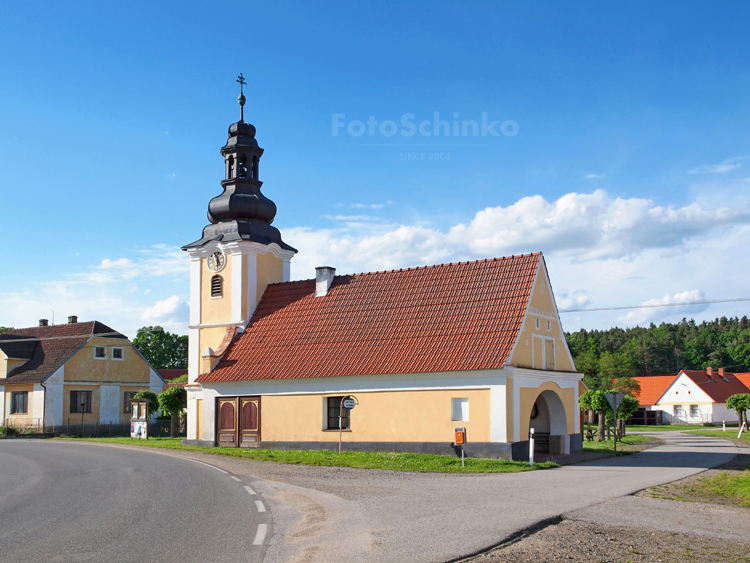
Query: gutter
x=44, y=407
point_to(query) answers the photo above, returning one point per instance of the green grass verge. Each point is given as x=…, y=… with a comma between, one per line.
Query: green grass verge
x=359, y=460
x=630, y=443
x=662, y=427
x=729, y=434
x=734, y=487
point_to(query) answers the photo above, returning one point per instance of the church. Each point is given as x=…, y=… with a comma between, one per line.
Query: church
x=420, y=351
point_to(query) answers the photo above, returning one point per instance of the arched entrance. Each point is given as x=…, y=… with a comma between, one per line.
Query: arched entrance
x=550, y=424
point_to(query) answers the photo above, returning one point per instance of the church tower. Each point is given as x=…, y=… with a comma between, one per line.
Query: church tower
x=239, y=254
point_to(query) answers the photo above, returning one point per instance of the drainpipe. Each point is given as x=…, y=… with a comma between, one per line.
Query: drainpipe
x=44, y=406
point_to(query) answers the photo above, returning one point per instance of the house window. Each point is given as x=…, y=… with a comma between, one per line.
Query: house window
x=549, y=353
x=19, y=402
x=127, y=397
x=678, y=410
x=117, y=354
x=332, y=409
x=216, y=286
x=537, y=324
x=100, y=352
x=695, y=411
x=460, y=410
x=549, y=326
x=80, y=401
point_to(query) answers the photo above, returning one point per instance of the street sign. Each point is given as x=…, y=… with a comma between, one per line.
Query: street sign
x=349, y=403
x=614, y=400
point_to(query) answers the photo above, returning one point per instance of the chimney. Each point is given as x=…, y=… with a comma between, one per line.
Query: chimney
x=43, y=322
x=709, y=371
x=323, y=280
x=721, y=373
x=72, y=319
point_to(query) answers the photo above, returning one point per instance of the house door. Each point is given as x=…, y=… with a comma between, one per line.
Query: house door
x=238, y=422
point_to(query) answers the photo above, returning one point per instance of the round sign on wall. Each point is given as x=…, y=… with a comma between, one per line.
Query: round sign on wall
x=349, y=403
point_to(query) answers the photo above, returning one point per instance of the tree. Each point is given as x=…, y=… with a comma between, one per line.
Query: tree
x=596, y=401
x=151, y=397
x=162, y=349
x=5, y=329
x=740, y=403
x=172, y=402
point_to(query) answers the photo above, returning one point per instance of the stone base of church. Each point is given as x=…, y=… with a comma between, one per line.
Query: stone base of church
x=487, y=450
x=200, y=443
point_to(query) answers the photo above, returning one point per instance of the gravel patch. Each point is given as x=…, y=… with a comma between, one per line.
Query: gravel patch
x=586, y=542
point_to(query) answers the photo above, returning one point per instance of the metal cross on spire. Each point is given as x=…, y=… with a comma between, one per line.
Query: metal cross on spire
x=241, y=98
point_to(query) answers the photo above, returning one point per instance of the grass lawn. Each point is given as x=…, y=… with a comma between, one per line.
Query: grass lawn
x=729, y=434
x=664, y=427
x=630, y=443
x=732, y=486
x=360, y=460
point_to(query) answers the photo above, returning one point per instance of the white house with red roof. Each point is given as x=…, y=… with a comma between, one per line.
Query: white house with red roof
x=422, y=351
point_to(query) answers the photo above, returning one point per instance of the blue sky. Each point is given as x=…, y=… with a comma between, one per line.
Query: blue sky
x=626, y=161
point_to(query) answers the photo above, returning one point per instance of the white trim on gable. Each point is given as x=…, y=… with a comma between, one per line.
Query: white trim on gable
x=676, y=393
x=525, y=314
x=542, y=262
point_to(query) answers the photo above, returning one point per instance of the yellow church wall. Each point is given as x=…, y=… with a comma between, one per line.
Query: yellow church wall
x=83, y=366
x=528, y=352
x=216, y=309
x=528, y=396
x=210, y=338
x=270, y=270
x=411, y=416
x=75, y=417
x=199, y=418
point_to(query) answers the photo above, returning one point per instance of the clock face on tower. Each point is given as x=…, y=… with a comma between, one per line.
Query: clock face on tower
x=216, y=261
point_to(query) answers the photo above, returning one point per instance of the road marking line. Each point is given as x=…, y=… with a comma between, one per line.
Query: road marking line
x=236, y=478
x=260, y=535
x=208, y=465
x=261, y=507
x=249, y=490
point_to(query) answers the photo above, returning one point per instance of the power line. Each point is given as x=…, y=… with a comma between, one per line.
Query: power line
x=653, y=306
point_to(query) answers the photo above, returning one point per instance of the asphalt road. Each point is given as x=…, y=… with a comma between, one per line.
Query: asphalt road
x=66, y=502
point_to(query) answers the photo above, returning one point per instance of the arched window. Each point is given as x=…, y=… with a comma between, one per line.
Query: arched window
x=242, y=166
x=216, y=282
x=255, y=167
x=230, y=167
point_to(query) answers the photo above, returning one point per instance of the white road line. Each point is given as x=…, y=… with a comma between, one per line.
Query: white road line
x=261, y=507
x=249, y=490
x=207, y=465
x=260, y=535
x=236, y=478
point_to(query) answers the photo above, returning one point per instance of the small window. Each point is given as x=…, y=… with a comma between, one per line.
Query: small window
x=695, y=411
x=117, y=354
x=100, y=352
x=678, y=410
x=332, y=406
x=127, y=397
x=549, y=326
x=460, y=410
x=19, y=402
x=80, y=401
x=216, y=283
x=537, y=323
x=549, y=353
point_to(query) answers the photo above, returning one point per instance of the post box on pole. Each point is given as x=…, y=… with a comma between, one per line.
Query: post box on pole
x=460, y=440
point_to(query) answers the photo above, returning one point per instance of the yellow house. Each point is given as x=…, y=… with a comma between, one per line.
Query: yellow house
x=75, y=372
x=423, y=351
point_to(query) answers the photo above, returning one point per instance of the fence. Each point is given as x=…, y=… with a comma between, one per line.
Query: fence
x=34, y=426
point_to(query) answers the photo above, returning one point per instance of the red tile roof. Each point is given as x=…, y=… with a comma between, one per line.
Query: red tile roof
x=716, y=386
x=52, y=346
x=167, y=374
x=744, y=378
x=450, y=317
x=653, y=387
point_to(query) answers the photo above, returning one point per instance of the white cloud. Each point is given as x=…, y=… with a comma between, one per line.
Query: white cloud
x=172, y=310
x=652, y=309
x=593, y=176
x=727, y=166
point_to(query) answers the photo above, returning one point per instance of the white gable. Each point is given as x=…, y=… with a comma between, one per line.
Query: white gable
x=683, y=391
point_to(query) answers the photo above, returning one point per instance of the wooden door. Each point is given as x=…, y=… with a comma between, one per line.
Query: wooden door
x=249, y=422
x=226, y=422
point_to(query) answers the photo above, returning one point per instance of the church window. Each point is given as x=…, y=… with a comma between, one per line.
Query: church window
x=460, y=410
x=333, y=404
x=242, y=167
x=230, y=167
x=255, y=167
x=216, y=283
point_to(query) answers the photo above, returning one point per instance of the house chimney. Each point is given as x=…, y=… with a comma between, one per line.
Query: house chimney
x=709, y=371
x=72, y=319
x=43, y=322
x=323, y=280
x=721, y=373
